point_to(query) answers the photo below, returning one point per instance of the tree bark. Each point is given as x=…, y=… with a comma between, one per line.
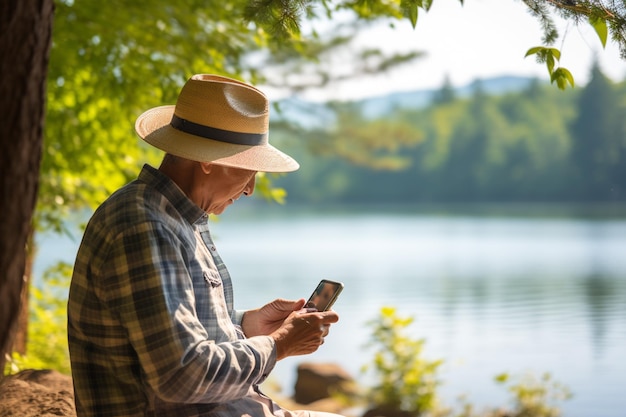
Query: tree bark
x=20, y=340
x=25, y=39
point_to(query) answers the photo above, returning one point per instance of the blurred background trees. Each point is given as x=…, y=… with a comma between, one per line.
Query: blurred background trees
x=535, y=144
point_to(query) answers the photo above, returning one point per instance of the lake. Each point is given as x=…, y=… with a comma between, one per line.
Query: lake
x=522, y=295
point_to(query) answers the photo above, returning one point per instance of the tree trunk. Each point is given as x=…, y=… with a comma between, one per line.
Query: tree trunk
x=21, y=335
x=25, y=38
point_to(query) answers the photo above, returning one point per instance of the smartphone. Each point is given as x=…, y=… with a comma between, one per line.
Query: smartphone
x=325, y=295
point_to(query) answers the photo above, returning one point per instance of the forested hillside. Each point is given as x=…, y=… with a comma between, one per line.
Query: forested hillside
x=539, y=144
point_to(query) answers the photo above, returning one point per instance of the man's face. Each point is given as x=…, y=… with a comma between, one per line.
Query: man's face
x=223, y=185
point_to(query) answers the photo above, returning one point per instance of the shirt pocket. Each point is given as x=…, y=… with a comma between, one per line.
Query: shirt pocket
x=212, y=279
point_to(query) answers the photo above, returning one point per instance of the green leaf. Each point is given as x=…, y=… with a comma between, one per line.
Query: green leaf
x=550, y=62
x=410, y=10
x=413, y=16
x=534, y=50
x=502, y=378
x=599, y=25
x=566, y=75
x=562, y=77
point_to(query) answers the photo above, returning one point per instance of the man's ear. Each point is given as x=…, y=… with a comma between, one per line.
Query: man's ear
x=206, y=167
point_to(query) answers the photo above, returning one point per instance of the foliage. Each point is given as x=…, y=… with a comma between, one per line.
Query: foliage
x=537, y=144
x=349, y=136
x=549, y=56
x=106, y=67
x=531, y=396
x=407, y=382
x=605, y=17
x=404, y=379
x=111, y=61
x=108, y=63
x=264, y=187
x=598, y=149
x=47, y=331
x=535, y=397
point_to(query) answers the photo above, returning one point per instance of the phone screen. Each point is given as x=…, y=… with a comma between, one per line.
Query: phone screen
x=325, y=295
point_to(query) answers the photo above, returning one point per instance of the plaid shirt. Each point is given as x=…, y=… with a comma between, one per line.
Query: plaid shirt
x=151, y=324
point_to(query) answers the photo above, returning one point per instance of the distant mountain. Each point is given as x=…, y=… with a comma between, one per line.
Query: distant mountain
x=310, y=114
x=381, y=105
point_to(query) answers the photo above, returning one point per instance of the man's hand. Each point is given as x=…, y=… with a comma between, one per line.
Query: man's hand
x=302, y=332
x=267, y=319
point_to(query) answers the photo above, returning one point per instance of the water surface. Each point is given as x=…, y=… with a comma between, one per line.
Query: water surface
x=488, y=294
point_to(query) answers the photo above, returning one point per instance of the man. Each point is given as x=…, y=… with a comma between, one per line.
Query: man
x=151, y=324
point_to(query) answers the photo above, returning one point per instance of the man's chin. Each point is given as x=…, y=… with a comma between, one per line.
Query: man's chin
x=221, y=209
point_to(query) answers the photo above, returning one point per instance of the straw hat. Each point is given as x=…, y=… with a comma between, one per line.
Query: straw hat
x=216, y=119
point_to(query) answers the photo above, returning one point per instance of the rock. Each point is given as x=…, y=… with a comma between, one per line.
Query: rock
x=32, y=393
x=318, y=381
x=387, y=412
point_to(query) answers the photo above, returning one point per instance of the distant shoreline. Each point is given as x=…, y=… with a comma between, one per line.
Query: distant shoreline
x=538, y=210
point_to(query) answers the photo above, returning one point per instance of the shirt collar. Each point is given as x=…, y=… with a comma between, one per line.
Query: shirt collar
x=172, y=192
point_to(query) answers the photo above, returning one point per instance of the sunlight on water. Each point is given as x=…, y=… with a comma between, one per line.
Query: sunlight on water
x=489, y=295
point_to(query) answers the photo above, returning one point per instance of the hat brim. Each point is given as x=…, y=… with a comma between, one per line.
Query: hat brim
x=153, y=126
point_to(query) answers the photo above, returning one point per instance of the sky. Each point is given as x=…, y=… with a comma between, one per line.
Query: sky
x=477, y=40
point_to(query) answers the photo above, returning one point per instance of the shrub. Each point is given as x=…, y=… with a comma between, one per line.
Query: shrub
x=47, y=328
x=406, y=382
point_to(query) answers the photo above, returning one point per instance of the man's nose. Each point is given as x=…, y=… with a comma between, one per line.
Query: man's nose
x=249, y=189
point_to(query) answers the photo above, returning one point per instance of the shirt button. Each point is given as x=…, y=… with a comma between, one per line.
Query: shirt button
x=213, y=248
